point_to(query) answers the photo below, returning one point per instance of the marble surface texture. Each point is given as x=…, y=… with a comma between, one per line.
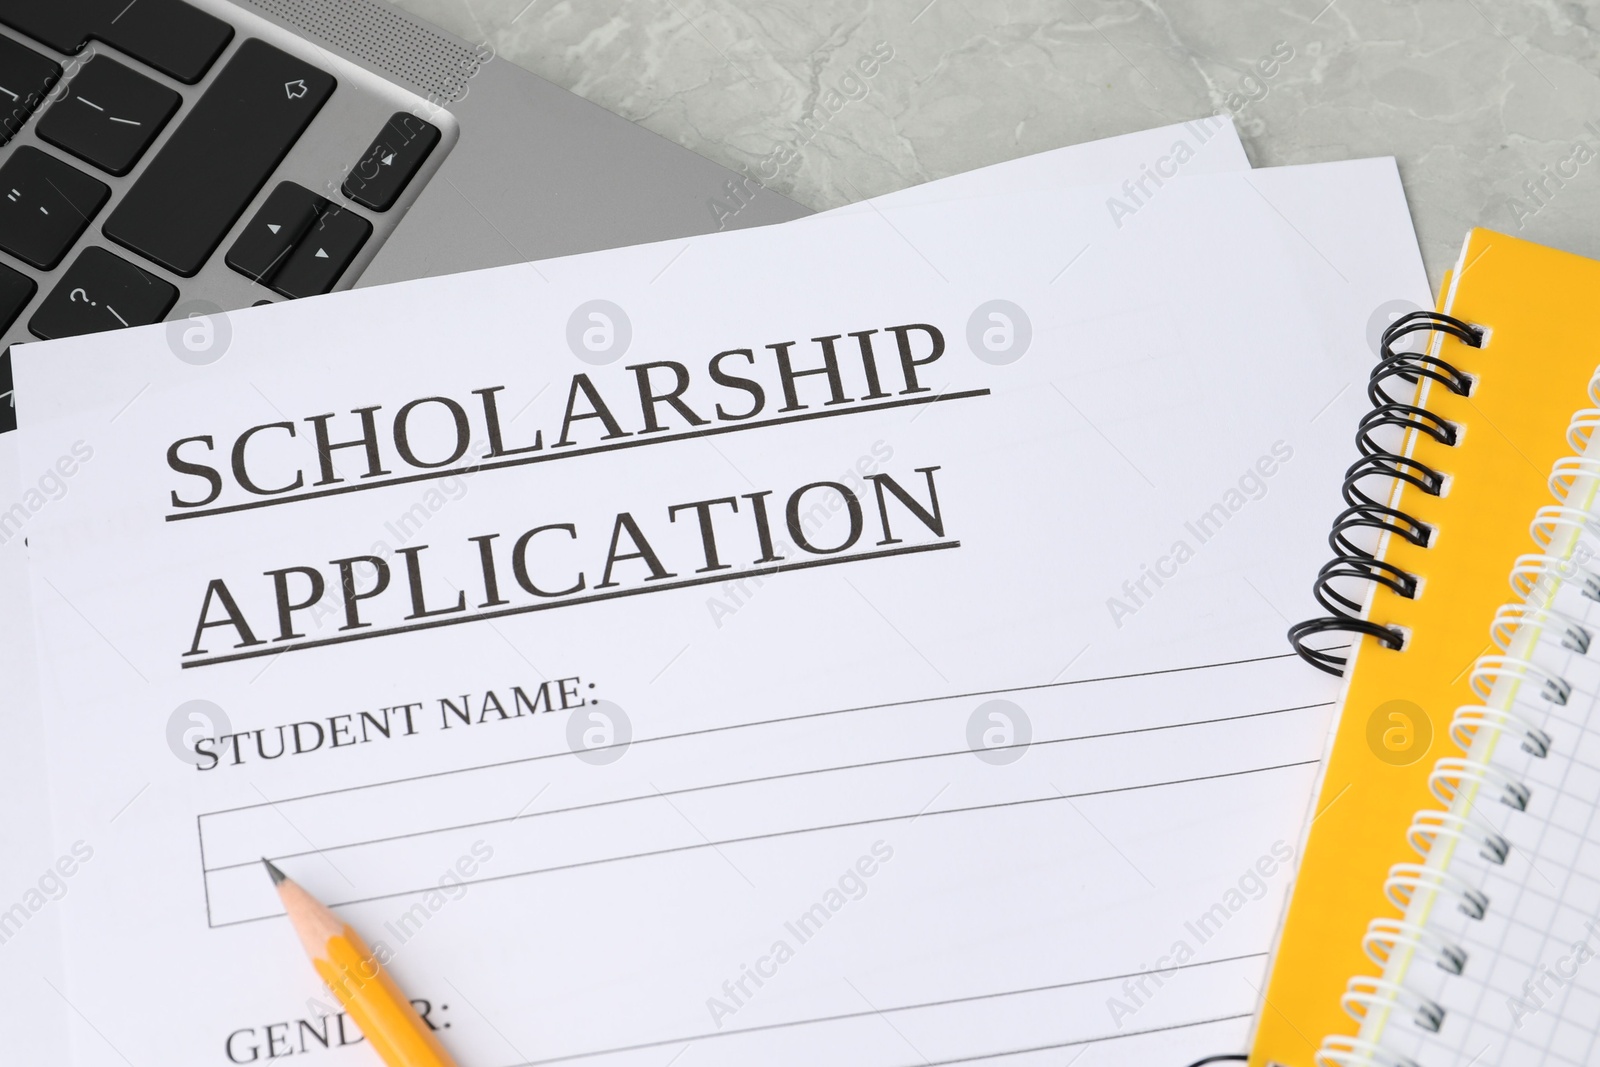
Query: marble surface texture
x=1491, y=106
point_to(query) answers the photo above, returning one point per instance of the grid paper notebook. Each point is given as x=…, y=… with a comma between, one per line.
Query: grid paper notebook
x=1447, y=911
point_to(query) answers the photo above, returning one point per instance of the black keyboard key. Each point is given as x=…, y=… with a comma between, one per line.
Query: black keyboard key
x=109, y=115
x=221, y=154
x=16, y=289
x=377, y=180
x=8, y=396
x=174, y=37
x=61, y=24
x=265, y=243
x=44, y=206
x=100, y=292
x=323, y=254
x=25, y=78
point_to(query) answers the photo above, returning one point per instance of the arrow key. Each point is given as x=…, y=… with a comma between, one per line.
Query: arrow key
x=322, y=254
x=266, y=242
x=391, y=161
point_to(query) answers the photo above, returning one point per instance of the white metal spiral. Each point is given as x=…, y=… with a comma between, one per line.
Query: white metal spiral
x=1385, y=936
x=1364, y=995
x=1451, y=774
x=1511, y=618
x=1428, y=828
x=1490, y=669
x=1469, y=720
x=1341, y=1051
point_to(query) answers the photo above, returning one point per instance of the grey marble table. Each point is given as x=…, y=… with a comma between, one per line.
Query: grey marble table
x=1492, y=107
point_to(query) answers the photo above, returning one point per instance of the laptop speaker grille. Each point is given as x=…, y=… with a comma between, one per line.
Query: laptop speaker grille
x=437, y=65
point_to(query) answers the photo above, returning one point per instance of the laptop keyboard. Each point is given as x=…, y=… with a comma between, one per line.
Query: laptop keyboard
x=27, y=77
x=113, y=115
x=192, y=192
x=16, y=289
x=45, y=206
x=197, y=166
x=176, y=38
x=101, y=291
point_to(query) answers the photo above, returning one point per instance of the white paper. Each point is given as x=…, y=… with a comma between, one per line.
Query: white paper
x=1138, y=164
x=29, y=883
x=32, y=957
x=1169, y=358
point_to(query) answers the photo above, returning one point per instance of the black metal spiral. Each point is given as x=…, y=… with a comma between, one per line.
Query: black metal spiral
x=1350, y=560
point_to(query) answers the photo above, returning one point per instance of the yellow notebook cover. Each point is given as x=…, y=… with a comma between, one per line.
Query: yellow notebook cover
x=1474, y=470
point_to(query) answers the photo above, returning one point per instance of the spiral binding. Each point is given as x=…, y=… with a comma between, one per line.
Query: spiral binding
x=1363, y=511
x=1517, y=631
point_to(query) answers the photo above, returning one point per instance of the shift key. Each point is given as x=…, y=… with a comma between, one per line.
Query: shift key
x=235, y=136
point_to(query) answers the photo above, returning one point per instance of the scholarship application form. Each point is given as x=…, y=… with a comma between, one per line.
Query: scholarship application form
x=859, y=639
x=30, y=998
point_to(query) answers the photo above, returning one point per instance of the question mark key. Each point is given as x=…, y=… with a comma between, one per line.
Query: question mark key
x=123, y=295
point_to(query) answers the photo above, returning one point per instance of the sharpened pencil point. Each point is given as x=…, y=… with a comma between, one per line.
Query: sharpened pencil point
x=278, y=877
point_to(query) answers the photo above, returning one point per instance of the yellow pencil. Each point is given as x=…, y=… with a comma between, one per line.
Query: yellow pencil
x=353, y=972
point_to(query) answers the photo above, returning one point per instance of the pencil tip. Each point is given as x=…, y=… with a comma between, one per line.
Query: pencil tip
x=278, y=877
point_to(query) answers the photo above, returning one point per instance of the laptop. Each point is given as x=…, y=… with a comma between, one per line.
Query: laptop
x=167, y=160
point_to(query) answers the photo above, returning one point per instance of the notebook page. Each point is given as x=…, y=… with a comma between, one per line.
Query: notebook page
x=1208, y=145
x=1115, y=886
